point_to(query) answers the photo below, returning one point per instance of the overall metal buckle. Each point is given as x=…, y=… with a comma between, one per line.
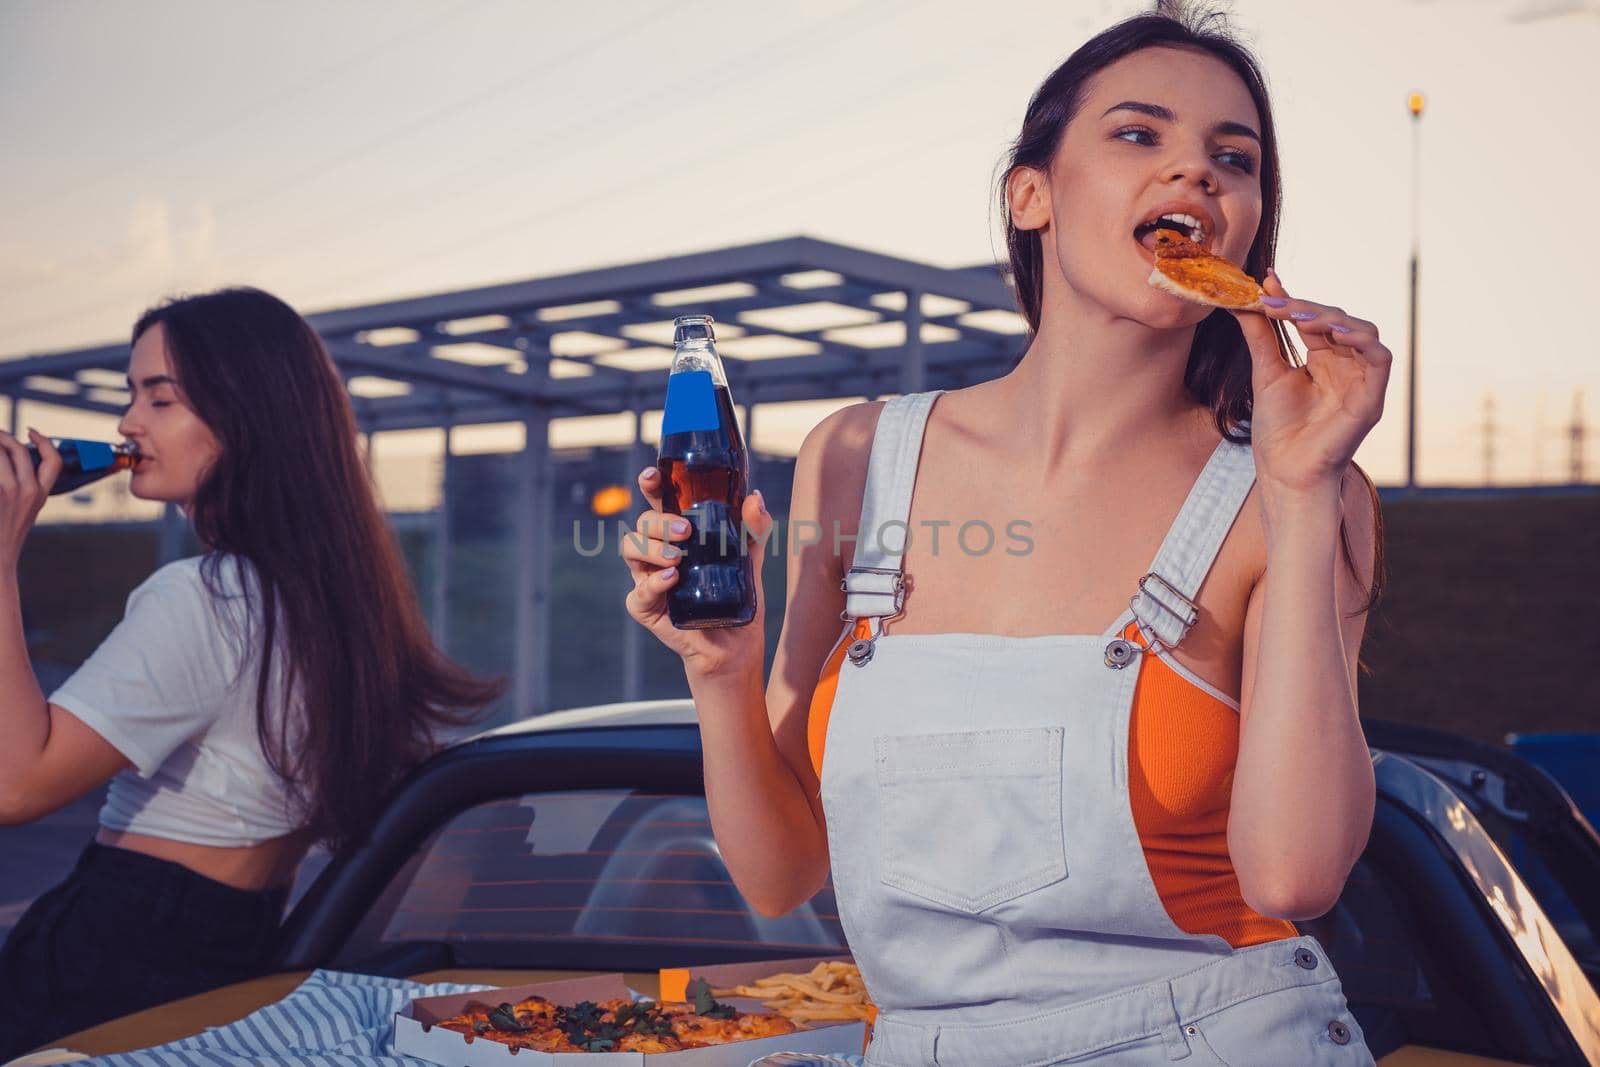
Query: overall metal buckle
x=1120, y=651
x=861, y=649
x=899, y=584
x=1194, y=609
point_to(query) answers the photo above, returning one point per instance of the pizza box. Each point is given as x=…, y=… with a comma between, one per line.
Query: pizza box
x=415, y=1034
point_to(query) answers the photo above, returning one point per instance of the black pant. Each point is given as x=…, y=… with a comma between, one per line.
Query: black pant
x=125, y=932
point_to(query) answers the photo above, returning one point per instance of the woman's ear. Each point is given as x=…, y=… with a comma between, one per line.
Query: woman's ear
x=1028, y=197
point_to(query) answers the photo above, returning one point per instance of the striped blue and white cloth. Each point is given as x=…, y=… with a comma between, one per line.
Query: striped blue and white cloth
x=332, y=1019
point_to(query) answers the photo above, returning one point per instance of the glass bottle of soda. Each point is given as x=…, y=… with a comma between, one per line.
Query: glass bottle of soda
x=704, y=474
x=83, y=462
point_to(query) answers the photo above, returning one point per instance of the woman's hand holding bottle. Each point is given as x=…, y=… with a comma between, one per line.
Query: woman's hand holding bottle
x=23, y=490
x=652, y=559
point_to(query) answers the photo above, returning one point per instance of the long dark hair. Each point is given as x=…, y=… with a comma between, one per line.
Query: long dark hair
x=1218, y=371
x=290, y=494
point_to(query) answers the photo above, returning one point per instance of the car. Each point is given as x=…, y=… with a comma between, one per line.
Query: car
x=579, y=842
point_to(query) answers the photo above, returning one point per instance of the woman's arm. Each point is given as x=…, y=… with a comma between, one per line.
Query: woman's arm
x=1303, y=789
x=47, y=757
x=72, y=762
x=24, y=718
x=24, y=715
x=760, y=789
x=764, y=796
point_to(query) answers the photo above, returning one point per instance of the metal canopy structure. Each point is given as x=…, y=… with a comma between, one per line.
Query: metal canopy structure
x=798, y=319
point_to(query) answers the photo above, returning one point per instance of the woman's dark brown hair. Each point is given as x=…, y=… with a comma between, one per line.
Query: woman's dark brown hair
x=290, y=493
x=1218, y=371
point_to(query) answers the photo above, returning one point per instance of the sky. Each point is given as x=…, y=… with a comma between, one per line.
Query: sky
x=356, y=151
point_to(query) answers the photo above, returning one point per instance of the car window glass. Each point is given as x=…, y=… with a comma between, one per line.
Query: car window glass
x=596, y=880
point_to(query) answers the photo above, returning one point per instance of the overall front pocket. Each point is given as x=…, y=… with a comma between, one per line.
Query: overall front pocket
x=971, y=820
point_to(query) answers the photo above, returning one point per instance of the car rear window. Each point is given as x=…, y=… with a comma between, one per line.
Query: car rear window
x=591, y=880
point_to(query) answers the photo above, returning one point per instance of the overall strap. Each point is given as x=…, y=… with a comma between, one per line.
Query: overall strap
x=875, y=586
x=1164, y=605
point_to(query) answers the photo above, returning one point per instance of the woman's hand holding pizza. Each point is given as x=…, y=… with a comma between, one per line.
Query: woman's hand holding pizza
x=1309, y=420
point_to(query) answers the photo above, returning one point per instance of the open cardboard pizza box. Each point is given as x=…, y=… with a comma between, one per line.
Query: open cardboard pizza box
x=415, y=1034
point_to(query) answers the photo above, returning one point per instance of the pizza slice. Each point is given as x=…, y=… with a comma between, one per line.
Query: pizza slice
x=697, y=1030
x=540, y=1040
x=1185, y=269
x=474, y=1020
x=530, y=1023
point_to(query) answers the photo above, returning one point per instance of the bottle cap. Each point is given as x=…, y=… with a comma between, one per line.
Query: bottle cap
x=693, y=328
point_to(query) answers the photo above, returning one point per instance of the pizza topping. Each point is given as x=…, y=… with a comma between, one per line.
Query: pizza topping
x=1170, y=244
x=711, y=1009
x=505, y=1018
x=595, y=1029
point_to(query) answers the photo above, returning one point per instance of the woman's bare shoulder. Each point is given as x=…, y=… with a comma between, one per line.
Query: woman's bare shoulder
x=850, y=428
x=830, y=473
x=838, y=449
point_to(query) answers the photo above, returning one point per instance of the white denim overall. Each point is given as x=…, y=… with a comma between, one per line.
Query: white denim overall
x=989, y=875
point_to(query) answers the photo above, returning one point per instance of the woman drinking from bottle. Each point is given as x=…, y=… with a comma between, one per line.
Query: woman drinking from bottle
x=1074, y=796
x=252, y=701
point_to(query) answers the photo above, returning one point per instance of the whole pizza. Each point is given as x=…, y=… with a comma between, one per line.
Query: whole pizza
x=616, y=1025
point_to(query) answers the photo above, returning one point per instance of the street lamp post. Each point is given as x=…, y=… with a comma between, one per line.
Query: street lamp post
x=1414, y=103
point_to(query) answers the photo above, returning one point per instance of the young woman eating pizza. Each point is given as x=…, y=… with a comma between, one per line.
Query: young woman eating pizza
x=1076, y=790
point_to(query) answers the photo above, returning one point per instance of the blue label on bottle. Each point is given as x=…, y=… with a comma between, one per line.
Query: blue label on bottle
x=691, y=403
x=95, y=455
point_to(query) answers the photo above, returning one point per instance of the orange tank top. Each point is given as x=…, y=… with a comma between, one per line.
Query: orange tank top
x=1183, y=743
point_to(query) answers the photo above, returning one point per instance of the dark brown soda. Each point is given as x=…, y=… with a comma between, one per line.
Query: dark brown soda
x=704, y=475
x=108, y=459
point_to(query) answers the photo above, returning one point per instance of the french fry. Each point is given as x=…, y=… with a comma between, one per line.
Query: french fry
x=831, y=991
x=742, y=991
x=815, y=992
x=842, y=1011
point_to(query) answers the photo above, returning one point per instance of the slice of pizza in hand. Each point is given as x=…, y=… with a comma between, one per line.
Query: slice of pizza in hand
x=1185, y=269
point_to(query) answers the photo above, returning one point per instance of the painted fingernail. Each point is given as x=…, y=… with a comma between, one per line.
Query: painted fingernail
x=1274, y=301
x=1336, y=328
x=671, y=552
x=761, y=502
x=650, y=472
x=679, y=526
x=666, y=575
x=1302, y=316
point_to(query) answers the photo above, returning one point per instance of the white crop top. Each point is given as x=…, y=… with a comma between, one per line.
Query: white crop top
x=174, y=690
